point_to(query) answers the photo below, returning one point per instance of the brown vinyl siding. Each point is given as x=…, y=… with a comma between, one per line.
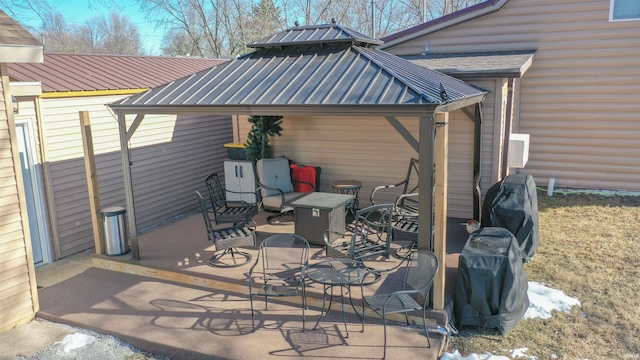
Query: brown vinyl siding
x=16, y=299
x=372, y=151
x=171, y=157
x=580, y=99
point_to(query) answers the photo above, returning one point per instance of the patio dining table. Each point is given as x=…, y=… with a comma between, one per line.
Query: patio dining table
x=342, y=273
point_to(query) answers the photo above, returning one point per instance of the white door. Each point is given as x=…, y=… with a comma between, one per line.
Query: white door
x=34, y=199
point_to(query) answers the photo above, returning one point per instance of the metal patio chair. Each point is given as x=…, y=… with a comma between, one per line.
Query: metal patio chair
x=276, y=186
x=405, y=207
x=226, y=239
x=234, y=212
x=370, y=235
x=279, y=270
x=414, y=295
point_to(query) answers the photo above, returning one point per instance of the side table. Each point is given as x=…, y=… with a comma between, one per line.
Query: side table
x=349, y=187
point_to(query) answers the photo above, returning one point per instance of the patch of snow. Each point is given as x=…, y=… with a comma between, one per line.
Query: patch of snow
x=519, y=353
x=457, y=356
x=75, y=341
x=542, y=300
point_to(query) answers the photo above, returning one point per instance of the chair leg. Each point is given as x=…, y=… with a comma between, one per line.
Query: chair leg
x=384, y=321
x=303, y=314
x=424, y=324
x=253, y=325
x=244, y=258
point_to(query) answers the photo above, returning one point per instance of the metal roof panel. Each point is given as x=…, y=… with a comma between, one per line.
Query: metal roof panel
x=309, y=73
x=87, y=72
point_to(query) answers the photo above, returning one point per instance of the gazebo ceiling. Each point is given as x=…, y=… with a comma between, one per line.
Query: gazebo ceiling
x=327, y=67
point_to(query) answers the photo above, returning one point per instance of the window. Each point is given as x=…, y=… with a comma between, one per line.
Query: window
x=621, y=10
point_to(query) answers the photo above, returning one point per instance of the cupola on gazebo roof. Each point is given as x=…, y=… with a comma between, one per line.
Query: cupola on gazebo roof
x=317, y=67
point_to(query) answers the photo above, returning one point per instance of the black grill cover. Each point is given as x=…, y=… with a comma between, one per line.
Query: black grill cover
x=491, y=290
x=513, y=204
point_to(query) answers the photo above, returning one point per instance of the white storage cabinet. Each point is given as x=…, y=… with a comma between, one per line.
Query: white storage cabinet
x=239, y=176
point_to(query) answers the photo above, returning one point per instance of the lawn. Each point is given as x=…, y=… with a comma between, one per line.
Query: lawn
x=590, y=250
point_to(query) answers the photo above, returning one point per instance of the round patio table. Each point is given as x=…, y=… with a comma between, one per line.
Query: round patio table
x=338, y=273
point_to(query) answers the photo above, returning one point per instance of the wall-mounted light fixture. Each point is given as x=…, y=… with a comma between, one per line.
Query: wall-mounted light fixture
x=15, y=104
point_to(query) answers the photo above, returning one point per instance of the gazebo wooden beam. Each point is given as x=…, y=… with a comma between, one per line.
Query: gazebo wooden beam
x=128, y=185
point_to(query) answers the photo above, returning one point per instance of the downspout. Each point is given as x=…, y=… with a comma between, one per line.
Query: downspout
x=477, y=162
x=507, y=128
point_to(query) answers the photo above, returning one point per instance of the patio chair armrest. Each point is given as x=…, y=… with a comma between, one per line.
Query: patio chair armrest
x=280, y=192
x=242, y=192
x=383, y=187
x=406, y=211
x=379, y=272
x=313, y=188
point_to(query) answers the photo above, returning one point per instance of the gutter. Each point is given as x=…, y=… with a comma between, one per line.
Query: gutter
x=83, y=93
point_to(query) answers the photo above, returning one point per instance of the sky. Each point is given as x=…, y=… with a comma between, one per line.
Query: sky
x=77, y=12
x=542, y=301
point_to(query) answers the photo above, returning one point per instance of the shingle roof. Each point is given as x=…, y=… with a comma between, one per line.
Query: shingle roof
x=12, y=33
x=481, y=64
x=87, y=72
x=306, y=73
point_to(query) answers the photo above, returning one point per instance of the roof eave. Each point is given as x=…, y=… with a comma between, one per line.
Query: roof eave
x=468, y=75
x=481, y=9
x=461, y=103
x=307, y=110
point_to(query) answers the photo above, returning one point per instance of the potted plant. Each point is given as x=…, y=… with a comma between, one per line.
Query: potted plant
x=263, y=127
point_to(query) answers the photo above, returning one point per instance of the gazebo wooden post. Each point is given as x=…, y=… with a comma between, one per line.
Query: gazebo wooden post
x=128, y=187
x=425, y=186
x=92, y=181
x=440, y=200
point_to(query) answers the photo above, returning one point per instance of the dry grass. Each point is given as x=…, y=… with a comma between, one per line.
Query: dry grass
x=590, y=249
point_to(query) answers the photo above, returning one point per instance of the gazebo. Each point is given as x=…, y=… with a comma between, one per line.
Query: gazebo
x=321, y=70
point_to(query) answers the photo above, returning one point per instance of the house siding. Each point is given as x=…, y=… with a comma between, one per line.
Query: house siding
x=17, y=301
x=372, y=151
x=171, y=156
x=579, y=100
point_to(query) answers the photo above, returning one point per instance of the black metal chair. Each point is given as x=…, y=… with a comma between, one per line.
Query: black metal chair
x=279, y=270
x=370, y=235
x=226, y=239
x=225, y=212
x=414, y=295
x=405, y=207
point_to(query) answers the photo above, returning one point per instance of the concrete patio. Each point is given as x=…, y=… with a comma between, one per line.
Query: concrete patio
x=172, y=303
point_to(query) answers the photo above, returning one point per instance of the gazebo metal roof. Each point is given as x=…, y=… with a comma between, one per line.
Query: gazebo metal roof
x=322, y=67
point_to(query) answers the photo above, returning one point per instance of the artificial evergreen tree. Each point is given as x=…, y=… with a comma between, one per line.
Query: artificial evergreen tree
x=263, y=127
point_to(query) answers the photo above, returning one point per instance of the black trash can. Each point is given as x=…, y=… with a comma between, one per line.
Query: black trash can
x=115, y=233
